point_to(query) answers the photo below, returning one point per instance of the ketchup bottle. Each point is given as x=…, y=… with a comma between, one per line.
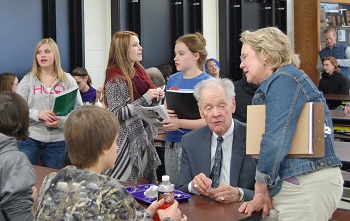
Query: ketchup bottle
x=166, y=191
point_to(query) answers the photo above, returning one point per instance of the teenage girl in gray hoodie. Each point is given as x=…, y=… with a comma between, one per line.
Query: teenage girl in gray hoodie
x=38, y=88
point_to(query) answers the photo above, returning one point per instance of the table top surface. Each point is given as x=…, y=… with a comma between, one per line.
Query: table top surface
x=196, y=208
x=337, y=97
x=342, y=149
x=41, y=173
x=339, y=115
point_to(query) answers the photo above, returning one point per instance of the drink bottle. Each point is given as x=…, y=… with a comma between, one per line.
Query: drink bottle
x=165, y=190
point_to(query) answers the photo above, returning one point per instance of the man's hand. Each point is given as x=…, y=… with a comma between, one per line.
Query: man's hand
x=202, y=184
x=225, y=194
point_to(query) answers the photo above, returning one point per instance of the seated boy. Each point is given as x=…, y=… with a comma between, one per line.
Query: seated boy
x=17, y=176
x=80, y=192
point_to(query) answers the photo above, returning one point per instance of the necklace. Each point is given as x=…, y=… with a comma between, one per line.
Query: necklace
x=47, y=82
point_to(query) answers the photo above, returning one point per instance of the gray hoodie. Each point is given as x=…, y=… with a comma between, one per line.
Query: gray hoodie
x=39, y=98
x=17, y=176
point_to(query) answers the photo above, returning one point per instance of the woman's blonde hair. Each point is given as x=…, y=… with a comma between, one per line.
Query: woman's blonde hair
x=119, y=55
x=273, y=44
x=61, y=75
x=195, y=43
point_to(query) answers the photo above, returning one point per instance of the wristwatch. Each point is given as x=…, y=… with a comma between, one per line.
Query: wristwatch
x=241, y=195
x=168, y=219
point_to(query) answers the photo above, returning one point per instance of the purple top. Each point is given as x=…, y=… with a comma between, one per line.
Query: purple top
x=89, y=96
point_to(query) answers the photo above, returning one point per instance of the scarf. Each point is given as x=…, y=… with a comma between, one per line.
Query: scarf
x=141, y=82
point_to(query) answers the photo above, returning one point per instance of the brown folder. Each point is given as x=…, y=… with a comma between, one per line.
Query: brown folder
x=308, y=139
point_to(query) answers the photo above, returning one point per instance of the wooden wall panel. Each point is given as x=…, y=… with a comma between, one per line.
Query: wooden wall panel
x=306, y=35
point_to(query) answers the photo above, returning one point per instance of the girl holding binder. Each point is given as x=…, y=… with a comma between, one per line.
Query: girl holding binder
x=38, y=87
x=190, y=56
x=287, y=188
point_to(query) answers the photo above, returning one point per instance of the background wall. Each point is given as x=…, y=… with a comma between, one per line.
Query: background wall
x=211, y=27
x=22, y=29
x=156, y=33
x=97, y=24
x=17, y=42
x=24, y=23
x=97, y=33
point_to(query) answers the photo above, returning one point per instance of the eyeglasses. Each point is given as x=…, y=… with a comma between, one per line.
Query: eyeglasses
x=244, y=56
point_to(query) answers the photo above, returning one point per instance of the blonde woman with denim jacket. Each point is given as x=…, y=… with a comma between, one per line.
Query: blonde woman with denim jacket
x=287, y=188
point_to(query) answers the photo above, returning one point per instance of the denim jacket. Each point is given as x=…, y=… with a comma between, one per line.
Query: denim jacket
x=284, y=93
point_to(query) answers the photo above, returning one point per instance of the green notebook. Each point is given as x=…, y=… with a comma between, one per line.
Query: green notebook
x=65, y=101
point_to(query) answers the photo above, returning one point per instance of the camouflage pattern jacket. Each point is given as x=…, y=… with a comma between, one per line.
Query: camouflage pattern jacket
x=79, y=194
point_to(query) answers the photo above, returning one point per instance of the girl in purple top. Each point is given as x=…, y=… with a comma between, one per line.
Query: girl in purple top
x=83, y=79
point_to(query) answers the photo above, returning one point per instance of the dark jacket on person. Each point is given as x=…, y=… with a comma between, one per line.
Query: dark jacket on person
x=244, y=95
x=196, y=154
x=336, y=83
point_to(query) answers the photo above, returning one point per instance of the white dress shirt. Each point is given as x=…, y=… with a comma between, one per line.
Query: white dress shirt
x=226, y=156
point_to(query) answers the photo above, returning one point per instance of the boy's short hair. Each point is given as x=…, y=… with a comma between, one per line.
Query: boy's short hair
x=328, y=30
x=156, y=76
x=14, y=115
x=166, y=70
x=89, y=131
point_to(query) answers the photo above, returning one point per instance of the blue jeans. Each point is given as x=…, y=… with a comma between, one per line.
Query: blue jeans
x=51, y=153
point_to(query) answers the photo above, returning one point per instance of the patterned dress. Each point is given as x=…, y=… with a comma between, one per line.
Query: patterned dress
x=137, y=155
x=79, y=194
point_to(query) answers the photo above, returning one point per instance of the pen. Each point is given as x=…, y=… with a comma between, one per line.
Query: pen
x=158, y=95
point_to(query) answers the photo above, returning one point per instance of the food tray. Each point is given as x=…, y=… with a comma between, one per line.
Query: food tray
x=137, y=193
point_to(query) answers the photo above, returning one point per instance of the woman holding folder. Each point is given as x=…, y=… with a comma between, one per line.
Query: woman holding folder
x=190, y=55
x=38, y=87
x=287, y=188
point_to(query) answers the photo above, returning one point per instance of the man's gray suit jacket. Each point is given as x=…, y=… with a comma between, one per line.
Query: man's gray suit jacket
x=195, y=159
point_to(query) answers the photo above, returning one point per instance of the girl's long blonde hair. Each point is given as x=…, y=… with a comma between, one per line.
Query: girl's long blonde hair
x=119, y=55
x=61, y=75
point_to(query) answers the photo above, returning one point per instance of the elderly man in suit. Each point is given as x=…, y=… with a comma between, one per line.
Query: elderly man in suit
x=214, y=161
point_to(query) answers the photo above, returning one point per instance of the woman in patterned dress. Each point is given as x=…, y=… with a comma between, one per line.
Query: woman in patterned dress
x=127, y=85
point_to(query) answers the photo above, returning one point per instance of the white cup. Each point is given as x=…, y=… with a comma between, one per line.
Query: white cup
x=347, y=109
